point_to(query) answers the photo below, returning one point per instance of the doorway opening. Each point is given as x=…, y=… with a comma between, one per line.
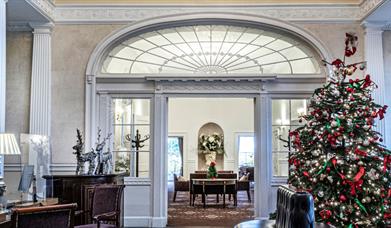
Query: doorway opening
x=202, y=130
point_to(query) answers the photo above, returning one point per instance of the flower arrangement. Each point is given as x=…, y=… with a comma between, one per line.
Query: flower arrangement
x=212, y=172
x=211, y=143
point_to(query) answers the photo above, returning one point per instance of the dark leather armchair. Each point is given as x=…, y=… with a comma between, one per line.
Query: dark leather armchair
x=180, y=186
x=59, y=216
x=106, y=206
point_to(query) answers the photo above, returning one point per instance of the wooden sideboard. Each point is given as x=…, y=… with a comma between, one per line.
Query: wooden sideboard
x=78, y=189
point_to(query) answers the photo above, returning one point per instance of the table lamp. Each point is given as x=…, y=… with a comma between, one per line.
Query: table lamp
x=8, y=146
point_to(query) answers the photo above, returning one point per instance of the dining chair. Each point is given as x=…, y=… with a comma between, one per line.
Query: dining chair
x=106, y=206
x=58, y=216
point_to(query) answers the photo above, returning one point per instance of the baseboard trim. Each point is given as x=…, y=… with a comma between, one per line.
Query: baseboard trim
x=159, y=222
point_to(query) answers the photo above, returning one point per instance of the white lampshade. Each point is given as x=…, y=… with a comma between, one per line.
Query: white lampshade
x=8, y=144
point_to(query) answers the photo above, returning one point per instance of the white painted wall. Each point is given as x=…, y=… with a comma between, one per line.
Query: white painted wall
x=187, y=115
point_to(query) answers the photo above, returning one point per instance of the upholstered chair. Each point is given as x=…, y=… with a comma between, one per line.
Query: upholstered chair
x=58, y=216
x=106, y=206
x=180, y=186
x=244, y=185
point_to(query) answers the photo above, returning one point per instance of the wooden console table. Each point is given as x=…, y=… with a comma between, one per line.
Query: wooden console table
x=78, y=189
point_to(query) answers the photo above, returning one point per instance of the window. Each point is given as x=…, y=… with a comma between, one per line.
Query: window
x=131, y=122
x=246, y=150
x=285, y=116
x=175, y=157
x=211, y=49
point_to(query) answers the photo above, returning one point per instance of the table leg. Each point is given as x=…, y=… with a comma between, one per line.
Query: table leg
x=224, y=200
x=203, y=199
x=217, y=198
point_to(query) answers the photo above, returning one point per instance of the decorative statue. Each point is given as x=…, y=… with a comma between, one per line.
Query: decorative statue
x=107, y=162
x=82, y=158
x=103, y=158
x=137, y=144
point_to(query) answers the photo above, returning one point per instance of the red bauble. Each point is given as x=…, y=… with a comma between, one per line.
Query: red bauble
x=342, y=198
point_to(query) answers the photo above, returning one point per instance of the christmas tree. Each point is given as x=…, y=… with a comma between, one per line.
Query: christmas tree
x=212, y=172
x=339, y=157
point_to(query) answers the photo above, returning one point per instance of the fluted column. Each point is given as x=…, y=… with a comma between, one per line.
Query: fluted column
x=3, y=27
x=375, y=67
x=40, y=101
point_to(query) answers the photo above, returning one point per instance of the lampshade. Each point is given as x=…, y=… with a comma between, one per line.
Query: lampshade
x=8, y=144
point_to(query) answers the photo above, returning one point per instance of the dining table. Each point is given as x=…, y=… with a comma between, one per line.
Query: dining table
x=215, y=186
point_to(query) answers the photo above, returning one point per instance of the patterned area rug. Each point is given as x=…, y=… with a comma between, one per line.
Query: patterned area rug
x=180, y=213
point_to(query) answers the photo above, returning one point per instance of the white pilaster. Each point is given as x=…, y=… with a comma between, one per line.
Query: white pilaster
x=375, y=67
x=40, y=101
x=263, y=156
x=159, y=161
x=3, y=27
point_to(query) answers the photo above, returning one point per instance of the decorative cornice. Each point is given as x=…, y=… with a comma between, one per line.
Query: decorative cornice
x=45, y=7
x=368, y=6
x=18, y=26
x=126, y=14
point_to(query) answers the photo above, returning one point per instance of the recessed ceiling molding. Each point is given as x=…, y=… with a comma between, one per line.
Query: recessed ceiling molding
x=45, y=7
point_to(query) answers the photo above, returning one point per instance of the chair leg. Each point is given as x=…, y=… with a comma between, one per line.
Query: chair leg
x=173, y=200
x=248, y=195
x=235, y=200
x=217, y=198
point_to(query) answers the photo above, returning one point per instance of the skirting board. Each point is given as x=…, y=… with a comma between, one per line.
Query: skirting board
x=145, y=221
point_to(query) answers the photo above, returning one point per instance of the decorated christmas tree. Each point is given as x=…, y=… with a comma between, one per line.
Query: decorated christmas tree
x=339, y=157
x=212, y=172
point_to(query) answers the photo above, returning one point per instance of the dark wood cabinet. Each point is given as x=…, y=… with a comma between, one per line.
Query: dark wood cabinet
x=78, y=189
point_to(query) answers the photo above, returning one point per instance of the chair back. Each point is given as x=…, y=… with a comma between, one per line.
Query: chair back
x=107, y=198
x=201, y=171
x=59, y=216
x=225, y=171
x=196, y=176
x=227, y=175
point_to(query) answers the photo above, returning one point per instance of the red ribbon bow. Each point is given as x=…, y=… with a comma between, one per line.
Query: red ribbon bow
x=350, y=44
x=367, y=81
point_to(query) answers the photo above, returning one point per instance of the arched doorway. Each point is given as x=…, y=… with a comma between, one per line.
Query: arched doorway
x=153, y=60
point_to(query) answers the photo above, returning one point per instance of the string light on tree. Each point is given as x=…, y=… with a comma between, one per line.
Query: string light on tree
x=338, y=157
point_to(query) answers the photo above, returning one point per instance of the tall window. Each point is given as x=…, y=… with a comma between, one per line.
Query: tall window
x=285, y=116
x=175, y=156
x=130, y=123
x=246, y=150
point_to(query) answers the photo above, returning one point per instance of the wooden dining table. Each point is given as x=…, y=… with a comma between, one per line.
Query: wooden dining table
x=214, y=186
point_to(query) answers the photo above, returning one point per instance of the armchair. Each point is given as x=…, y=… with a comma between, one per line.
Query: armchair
x=180, y=186
x=106, y=206
x=59, y=216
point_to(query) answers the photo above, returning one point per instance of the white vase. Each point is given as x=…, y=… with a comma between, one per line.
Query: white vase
x=209, y=157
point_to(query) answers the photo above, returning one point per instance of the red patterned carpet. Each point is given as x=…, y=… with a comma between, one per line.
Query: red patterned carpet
x=180, y=213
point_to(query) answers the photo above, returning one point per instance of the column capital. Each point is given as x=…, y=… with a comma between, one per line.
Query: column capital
x=371, y=27
x=42, y=28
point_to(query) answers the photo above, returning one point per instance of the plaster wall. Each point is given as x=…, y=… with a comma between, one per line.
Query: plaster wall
x=71, y=49
x=187, y=115
x=19, y=51
x=18, y=71
x=72, y=46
